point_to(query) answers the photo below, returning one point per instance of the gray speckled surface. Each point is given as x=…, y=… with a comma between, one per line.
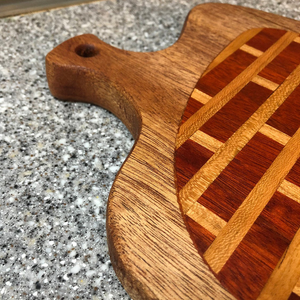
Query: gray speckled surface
x=58, y=160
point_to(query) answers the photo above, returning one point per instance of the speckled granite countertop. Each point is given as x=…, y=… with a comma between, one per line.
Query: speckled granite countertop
x=59, y=160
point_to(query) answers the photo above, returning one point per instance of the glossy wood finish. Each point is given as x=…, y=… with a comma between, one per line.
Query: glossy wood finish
x=232, y=159
x=150, y=246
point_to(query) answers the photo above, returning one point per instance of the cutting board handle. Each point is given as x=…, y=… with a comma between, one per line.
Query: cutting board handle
x=86, y=69
x=136, y=87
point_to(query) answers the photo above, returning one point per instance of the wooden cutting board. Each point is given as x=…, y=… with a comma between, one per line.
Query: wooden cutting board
x=214, y=172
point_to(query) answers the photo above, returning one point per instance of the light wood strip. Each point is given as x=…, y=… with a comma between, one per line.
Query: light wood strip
x=232, y=47
x=285, y=275
x=213, y=144
x=290, y=190
x=251, y=50
x=227, y=93
x=200, y=96
x=297, y=40
x=240, y=223
x=213, y=223
x=296, y=289
x=207, y=219
x=274, y=134
x=265, y=83
x=206, y=141
x=196, y=186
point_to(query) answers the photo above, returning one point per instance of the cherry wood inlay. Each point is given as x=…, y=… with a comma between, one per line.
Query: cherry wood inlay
x=227, y=121
x=278, y=69
x=265, y=39
x=214, y=81
x=189, y=159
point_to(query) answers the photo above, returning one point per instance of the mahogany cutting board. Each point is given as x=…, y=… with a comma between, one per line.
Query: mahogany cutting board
x=214, y=172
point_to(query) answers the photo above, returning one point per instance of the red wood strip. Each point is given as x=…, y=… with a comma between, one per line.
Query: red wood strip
x=283, y=64
x=231, y=116
x=200, y=236
x=286, y=118
x=214, y=81
x=229, y=190
x=294, y=297
x=294, y=174
x=190, y=157
x=283, y=214
x=265, y=38
x=192, y=106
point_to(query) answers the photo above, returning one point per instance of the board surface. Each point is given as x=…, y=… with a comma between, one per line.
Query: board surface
x=150, y=246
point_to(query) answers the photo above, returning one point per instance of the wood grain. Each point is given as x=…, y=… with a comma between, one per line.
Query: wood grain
x=265, y=83
x=149, y=243
x=242, y=220
x=251, y=50
x=207, y=219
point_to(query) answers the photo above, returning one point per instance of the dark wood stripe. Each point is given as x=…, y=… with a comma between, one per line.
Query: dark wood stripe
x=283, y=64
x=294, y=174
x=286, y=118
x=189, y=158
x=229, y=190
x=192, y=106
x=231, y=116
x=200, y=236
x=265, y=38
x=214, y=81
x=283, y=215
x=293, y=296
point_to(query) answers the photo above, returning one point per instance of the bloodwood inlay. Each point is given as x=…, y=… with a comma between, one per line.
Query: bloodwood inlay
x=189, y=159
x=226, y=121
x=283, y=64
x=261, y=163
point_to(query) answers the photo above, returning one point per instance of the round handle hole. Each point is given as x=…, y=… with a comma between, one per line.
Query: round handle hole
x=86, y=50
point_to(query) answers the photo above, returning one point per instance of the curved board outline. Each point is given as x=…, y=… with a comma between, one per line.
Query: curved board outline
x=150, y=249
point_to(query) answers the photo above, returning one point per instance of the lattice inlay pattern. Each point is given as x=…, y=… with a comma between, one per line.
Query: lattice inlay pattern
x=238, y=167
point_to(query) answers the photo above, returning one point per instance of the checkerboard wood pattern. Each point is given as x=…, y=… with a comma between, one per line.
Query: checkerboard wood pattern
x=238, y=168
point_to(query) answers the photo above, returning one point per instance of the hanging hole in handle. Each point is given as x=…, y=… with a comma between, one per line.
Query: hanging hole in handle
x=86, y=50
